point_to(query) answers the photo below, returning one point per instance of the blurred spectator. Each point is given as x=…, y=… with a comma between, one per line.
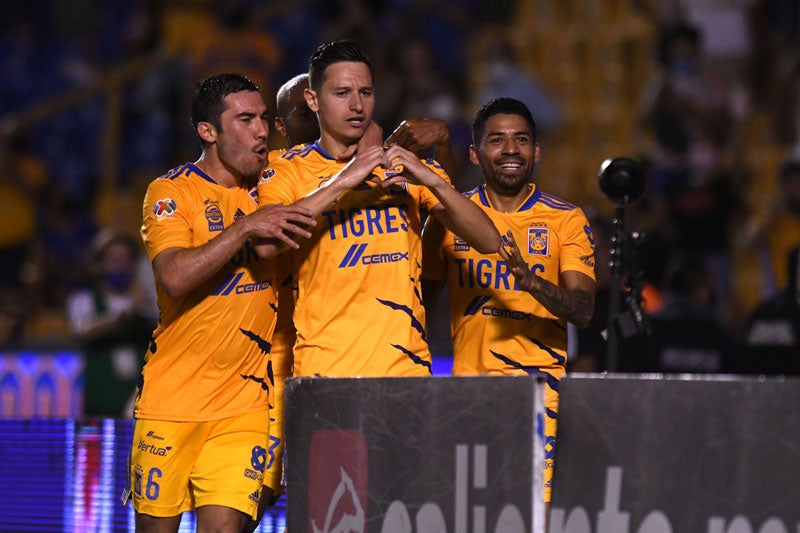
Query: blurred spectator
x=776, y=232
x=113, y=320
x=13, y=307
x=686, y=336
x=771, y=335
x=502, y=75
x=23, y=180
x=703, y=198
x=683, y=101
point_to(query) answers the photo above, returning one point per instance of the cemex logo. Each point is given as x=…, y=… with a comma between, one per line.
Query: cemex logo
x=337, y=472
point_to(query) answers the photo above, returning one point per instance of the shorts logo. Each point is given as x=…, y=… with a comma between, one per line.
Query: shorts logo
x=152, y=434
x=538, y=241
x=214, y=216
x=166, y=207
x=258, y=458
x=337, y=472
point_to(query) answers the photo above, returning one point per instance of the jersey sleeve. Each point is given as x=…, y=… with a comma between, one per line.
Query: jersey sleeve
x=167, y=218
x=577, y=252
x=434, y=266
x=277, y=184
x=427, y=199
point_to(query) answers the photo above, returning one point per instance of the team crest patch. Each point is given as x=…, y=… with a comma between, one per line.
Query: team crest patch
x=538, y=240
x=459, y=244
x=266, y=175
x=166, y=207
x=214, y=216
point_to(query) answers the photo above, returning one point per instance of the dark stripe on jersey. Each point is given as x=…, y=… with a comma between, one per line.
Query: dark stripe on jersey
x=531, y=201
x=552, y=381
x=560, y=359
x=405, y=309
x=556, y=203
x=227, y=286
x=475, y=305
x=414, y=357
x=258, y=380
x=263, y=345
x=482, y=197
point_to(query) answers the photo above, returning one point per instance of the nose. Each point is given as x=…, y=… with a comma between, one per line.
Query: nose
x=510, y=146
x=262, y=129
x=356, y=104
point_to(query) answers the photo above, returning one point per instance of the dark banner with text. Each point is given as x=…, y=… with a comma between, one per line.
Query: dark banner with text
x=414, y=455
x=655, y=454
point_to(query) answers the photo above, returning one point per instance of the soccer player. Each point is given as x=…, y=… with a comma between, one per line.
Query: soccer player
x=358, y=310
x=509, y=310
x=299, y=126
x=202, y=400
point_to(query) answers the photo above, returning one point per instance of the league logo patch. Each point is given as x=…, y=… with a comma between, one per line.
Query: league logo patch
x=459, y=244
x=538, y=240
x=166, y=207
x=137, y=481
x=266, y=176
x=214, y=216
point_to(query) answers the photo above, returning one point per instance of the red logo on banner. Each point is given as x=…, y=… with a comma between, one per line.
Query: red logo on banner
x=337, y=482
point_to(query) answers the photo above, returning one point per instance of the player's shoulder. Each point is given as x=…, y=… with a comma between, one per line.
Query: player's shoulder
x=553, y=202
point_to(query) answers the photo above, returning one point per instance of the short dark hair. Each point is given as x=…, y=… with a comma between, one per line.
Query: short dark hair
x=500, y=106
x=334, y=52
x=207, y=102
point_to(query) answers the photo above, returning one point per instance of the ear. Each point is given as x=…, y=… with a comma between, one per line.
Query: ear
x=207, y=132
x=473, y=154
x=311, y=99
x=536, y=153
x=280, y=126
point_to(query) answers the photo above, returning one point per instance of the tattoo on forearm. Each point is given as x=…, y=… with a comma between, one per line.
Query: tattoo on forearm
x=575, y=306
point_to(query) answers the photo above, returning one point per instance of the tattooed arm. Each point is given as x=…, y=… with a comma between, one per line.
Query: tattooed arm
x=574, y=301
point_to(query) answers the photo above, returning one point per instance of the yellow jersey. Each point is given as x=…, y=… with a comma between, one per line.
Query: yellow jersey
x=209, y=355
x=358, y=309
x=496, y=327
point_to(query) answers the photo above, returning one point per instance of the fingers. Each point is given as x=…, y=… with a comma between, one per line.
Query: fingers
x=398, y=135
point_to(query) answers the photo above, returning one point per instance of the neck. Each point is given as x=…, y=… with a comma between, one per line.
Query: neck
x=508, y=201
x=342, y=150
x=218, y=171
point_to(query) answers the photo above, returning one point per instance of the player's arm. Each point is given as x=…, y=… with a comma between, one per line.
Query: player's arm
x=572, y=300
x=434, y=268
x=454, y=210
x=182, y=269
x=356, y=171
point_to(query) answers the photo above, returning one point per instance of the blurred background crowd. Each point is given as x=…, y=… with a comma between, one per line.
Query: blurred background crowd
x=704, y=93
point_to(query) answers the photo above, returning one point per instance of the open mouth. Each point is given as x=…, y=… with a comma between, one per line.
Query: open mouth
x=510, y=166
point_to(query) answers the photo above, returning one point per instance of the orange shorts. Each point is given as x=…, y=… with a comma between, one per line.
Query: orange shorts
x=179, y=466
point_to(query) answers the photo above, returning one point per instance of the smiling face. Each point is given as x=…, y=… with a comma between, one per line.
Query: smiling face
x=241, y=140
x=506, y=154
x=344, y=105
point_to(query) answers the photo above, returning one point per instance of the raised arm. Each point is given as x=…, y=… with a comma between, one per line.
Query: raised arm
x=454, y=210
x=356, y=171
x=574, y=301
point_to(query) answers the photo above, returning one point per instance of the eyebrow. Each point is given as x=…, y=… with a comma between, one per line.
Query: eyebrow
x=514, y=134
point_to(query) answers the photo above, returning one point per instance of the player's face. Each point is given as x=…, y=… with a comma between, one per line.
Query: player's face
x=300, y=122
x=506, y=153
x=242, y=139
x=345, y=102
